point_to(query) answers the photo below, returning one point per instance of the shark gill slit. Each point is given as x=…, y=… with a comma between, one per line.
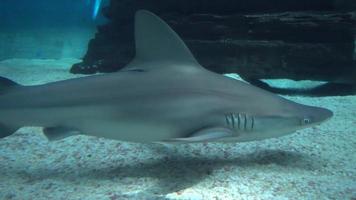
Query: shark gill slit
x=252, y=122
x=233, y=120
x=227, y=118
x=245, y=122
x=240, y=121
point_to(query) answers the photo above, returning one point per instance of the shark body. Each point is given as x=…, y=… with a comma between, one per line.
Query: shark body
x=163, y=95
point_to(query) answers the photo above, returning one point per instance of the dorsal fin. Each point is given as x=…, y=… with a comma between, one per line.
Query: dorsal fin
x=156, y=43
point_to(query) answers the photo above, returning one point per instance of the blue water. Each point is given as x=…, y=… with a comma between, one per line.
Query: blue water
x=30, y=13
x=48, y=29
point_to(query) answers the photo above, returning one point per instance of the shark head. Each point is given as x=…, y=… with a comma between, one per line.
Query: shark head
x=309, y=116
x=287, y=118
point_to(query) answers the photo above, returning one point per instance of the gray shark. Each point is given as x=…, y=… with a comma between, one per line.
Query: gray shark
x=163, y=95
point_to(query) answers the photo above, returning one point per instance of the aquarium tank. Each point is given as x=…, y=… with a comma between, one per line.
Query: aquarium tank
x=179, y=99
x=47, y=29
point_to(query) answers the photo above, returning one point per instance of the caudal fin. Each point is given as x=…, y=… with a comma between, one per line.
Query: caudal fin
x=5, y=86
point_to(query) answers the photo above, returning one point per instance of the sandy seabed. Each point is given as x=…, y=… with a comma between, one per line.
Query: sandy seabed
x=316, y=163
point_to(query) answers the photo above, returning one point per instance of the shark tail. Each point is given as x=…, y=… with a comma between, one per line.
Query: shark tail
x=5, y=86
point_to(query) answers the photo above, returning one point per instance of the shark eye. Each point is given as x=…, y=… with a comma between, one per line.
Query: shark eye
x=306, y=121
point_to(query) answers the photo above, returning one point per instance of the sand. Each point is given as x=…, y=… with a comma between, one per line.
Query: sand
x=315, y=163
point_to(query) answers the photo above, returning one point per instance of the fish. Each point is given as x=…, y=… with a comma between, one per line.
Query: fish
x=163, y=95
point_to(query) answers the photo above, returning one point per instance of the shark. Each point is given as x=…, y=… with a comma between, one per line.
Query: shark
x=163, y=95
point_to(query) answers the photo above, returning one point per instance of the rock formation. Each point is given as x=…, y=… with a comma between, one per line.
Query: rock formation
x=293, y=39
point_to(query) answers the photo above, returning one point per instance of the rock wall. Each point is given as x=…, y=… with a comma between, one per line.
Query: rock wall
x=295, y=39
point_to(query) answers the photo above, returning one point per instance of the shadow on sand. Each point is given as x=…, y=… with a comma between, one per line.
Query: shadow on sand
x=176, y=172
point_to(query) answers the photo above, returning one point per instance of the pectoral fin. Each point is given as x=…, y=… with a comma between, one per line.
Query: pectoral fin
x=58, y=133
x=203, y=135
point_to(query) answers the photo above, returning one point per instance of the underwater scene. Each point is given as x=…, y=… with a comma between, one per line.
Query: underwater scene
x=183, y=100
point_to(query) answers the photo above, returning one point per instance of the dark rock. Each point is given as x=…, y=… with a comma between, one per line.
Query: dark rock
x=294, y=39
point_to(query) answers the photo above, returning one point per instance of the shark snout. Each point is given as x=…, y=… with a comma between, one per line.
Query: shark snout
x=323, y=114
x=319, y=115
